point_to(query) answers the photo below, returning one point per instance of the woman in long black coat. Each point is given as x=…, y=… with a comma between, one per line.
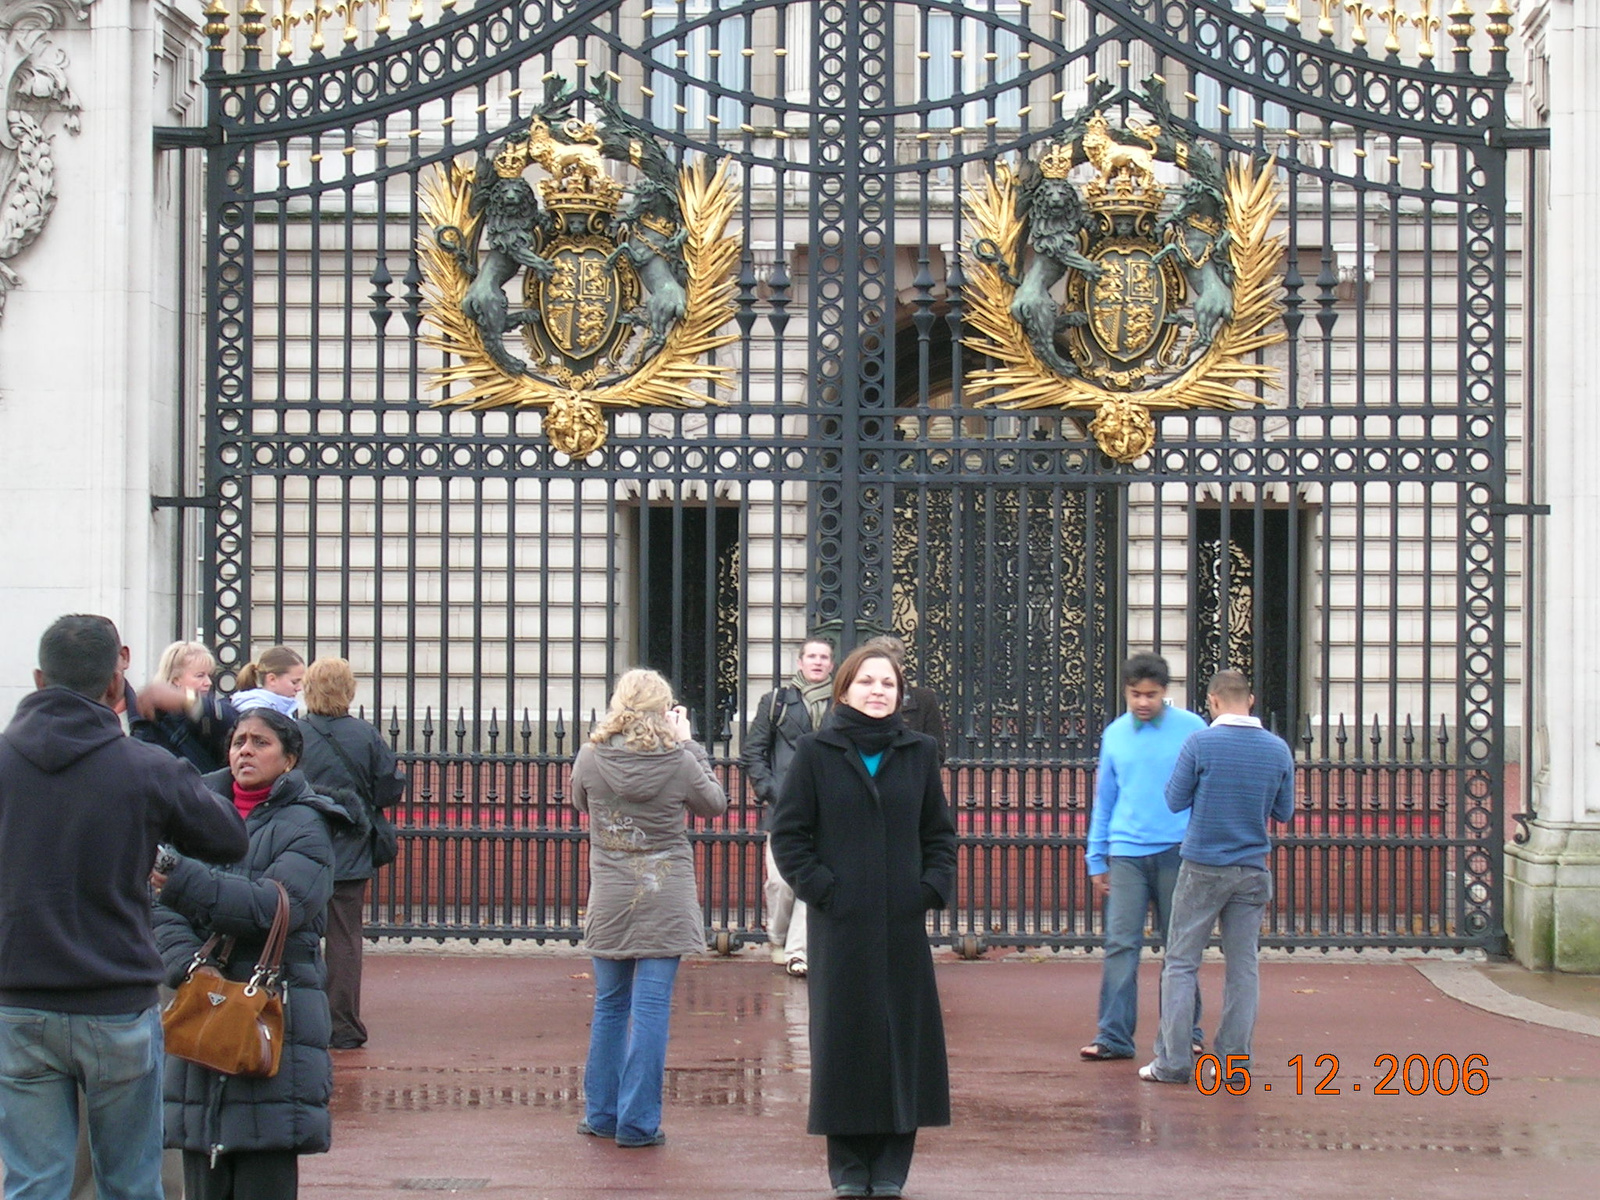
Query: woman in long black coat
x=863, y=833
x=240, y=1136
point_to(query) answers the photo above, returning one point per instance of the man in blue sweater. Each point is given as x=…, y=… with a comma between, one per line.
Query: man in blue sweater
x=1133, y=842
x=1231, y=778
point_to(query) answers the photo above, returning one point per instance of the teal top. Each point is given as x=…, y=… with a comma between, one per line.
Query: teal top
x=871, y=761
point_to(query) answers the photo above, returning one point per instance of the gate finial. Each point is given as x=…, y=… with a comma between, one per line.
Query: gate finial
x=1427, y=27
x=1461, y=30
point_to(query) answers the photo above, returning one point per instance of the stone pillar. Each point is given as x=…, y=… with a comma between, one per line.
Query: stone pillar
x=86, y=337
x=1553, y=879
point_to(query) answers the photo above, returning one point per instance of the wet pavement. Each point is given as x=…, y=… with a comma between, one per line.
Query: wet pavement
x=472, y=1083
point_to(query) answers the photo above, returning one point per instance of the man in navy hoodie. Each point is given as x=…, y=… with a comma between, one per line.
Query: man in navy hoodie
x=82, y=810
x=1232, y=776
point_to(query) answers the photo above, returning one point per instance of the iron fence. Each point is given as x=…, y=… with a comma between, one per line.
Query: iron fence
x=492, y=848
x=1343, y=537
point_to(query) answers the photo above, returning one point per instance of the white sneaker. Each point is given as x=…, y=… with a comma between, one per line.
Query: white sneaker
x=780, y=957
x=1148, y=1074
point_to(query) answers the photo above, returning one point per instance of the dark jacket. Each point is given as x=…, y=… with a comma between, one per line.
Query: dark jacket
x=922, y=714
x=378, y=781
x=203, y=742
x=82, y=809
x=769, y=743
x=643, y=902
x=289, y=842
x=870, y=855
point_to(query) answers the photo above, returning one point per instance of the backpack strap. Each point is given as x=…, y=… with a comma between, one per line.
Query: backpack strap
x=355, y=774
x=781, y=698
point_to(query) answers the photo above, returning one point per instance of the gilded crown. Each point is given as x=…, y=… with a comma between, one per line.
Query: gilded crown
x=578, y=193
x=1124, y=195
x=512, y=160
x=1057, y=162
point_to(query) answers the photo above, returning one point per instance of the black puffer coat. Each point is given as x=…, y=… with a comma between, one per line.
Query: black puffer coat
x=870, y=855
x=289, y=842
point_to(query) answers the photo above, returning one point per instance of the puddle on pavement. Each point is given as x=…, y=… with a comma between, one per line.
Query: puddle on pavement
x=748, y=1087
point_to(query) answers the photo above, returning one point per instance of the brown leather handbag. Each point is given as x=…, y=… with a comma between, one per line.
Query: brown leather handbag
x=231, y=1027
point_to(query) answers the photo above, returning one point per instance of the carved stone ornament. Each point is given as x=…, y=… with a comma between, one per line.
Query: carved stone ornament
x=622, y=298
x=33, y=83
x=1089, y=300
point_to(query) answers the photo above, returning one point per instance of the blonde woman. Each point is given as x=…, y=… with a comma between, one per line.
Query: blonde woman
x=636, y=778
x=179, y=712
x=348, y=761
x=273, y=681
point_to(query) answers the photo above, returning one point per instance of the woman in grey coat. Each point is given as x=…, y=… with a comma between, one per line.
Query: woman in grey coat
x=241, y=1137
x=636, y=778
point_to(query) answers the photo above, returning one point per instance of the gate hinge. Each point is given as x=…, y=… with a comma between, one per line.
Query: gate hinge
x=178, y=137
x=1519, y=510
x=1535, y=137
x=157, y=503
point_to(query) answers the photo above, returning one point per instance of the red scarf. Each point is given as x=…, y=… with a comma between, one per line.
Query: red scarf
x=245, y=801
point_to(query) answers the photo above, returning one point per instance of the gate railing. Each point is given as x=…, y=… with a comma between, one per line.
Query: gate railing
x=491, y=847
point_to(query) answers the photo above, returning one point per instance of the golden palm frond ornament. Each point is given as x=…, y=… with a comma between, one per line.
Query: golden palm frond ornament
x=583, y=279
x=1118, y=346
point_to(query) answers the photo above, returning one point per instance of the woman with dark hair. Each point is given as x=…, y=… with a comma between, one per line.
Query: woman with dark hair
x=241, y=1137
x=863, y=833
x=637, y=777
x=347, y=761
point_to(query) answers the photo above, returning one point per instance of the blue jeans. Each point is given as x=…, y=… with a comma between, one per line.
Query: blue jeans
x=1137, y=882
x=45, y=1057
x=628, y=1046
x=1235, y=897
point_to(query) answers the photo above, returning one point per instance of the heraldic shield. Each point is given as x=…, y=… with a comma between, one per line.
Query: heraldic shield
x=580, y=304
x=1154, y=312
x=625, y=287
x=1130, y=307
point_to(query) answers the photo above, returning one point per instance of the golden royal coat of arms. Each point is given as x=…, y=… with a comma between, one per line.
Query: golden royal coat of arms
x=1089, y=299
x=622, y=299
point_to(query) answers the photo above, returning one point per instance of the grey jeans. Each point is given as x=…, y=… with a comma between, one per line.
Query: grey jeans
x=1235, y=897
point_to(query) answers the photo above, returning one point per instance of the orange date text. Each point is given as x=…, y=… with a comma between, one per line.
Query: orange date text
x=1414, y=1075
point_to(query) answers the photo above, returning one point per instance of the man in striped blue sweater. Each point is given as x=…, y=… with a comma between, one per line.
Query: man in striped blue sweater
x=1231, y=777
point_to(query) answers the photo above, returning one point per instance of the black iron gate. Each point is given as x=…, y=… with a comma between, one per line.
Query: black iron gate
x=1344, y=541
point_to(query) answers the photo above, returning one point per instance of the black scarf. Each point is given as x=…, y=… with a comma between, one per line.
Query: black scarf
x=869, y=735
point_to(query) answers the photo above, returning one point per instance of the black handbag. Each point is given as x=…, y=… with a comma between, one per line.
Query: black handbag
x=385, y=837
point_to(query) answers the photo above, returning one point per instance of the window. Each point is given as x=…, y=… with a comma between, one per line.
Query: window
x=1274, y=66
x=1246, y=612
x=962, y=55
x=711, y=54
x=688, y=604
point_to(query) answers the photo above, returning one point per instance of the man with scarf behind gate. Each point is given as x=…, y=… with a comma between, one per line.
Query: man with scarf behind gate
x=783, y=716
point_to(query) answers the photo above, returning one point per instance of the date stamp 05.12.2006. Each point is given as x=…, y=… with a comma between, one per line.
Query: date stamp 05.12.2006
x=1414, y=1075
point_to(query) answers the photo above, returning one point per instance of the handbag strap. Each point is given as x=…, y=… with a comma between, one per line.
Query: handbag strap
x=270, y=963
x=271, y=960
x=356, y=777
x=222, y=946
